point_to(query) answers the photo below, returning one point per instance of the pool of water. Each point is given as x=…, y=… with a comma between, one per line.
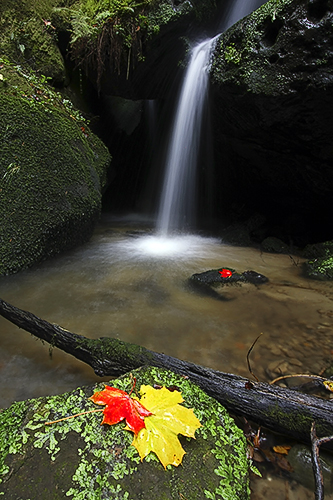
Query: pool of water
x=129, y=284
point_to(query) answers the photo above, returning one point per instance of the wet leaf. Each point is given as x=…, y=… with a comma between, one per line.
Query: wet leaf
x=328, y=385
x=225, y=273
x=120, y=406
x=168, y=419
x=283, y=450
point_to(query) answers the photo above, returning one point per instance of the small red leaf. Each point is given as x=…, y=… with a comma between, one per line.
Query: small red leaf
x=225, y=273
x=120, y=406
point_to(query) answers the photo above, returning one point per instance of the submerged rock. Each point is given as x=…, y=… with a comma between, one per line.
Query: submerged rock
x=80, y=459
x=300, y=459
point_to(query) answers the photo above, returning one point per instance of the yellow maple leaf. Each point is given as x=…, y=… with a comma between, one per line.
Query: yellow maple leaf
x=169, y=419
x=328, y=385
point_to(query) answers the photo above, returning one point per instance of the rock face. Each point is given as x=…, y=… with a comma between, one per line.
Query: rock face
x=53, y=169
x=79, y=458
x=51, y=178
x=272, y=81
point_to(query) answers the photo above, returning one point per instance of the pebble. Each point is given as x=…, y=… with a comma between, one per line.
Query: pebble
x=295, y=361
x=276, y=351
x=280, y=367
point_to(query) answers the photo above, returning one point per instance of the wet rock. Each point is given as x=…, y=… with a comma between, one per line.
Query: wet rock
x=321, y=264
x=79, y=458
x=217, y=276
x=278, y=367
x=254, y=277
x=274, y=245
x=320, y=269
x=52, y=180
x=206, y=283
x=272, y=90
x=318, y=250
x=299, y=458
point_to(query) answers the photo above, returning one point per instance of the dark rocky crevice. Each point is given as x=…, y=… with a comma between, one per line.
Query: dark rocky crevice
x=317, y=9
x=271, y=31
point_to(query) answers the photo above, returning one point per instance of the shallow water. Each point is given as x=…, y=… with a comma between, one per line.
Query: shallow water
x=127, y=284
x=133, y=287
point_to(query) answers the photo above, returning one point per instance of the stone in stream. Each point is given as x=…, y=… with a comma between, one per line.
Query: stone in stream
x=82, y=459
x=300, y=459
x=205, y=282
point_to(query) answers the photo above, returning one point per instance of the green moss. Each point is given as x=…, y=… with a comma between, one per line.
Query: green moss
x=27, y=40
x=250, y=46
x=105, y=464
x=51, y=176
x=321, y=269
x=232, y=55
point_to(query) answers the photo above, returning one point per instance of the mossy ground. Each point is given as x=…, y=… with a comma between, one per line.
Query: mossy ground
x=80, y=459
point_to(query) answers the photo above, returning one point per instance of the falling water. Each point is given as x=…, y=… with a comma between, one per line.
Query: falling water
x=178, y=195
x=177, y=200
x=239, y=9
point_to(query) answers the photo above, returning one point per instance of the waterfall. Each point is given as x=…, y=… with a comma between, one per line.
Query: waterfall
x=237, y=10
x=177, y=205
x=177, y=199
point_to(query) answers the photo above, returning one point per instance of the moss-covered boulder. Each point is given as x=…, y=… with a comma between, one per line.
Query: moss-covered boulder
x=27, y=36
x=320, y=265
x=52, y=171
x=272, y=82
x=80, y=459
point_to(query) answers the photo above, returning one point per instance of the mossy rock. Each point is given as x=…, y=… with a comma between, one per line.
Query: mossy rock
x=51, y=177
x=282, y=47
x=80, y=459
x=320, y=269
x=274, y=245
x=321, y=264
x=318, y=250
x=28, y=39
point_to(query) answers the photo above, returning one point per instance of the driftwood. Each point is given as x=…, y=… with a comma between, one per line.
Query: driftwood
x=282, y=410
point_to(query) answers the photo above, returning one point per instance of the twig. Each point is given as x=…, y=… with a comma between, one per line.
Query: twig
x=301, y=375
x=248, y=357
x=318, y=474
x=72, y=416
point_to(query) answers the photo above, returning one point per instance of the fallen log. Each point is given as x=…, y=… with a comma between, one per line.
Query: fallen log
x=281, y=410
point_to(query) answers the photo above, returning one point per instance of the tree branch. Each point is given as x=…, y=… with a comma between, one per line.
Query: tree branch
x=279, y=409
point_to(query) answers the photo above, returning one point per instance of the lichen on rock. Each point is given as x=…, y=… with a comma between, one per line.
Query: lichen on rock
x=80, y=459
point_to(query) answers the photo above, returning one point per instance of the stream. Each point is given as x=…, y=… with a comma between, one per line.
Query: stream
x=128, y=284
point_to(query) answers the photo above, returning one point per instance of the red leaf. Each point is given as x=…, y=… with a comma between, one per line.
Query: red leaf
x=120, y=406
x=225, y=273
